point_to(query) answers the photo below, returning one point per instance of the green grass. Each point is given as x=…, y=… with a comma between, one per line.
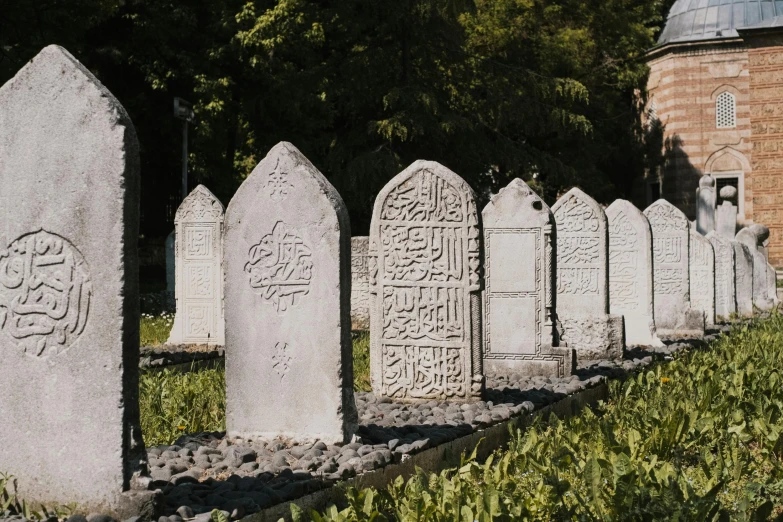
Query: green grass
x=361, y=362
x=154, y=329
x=700, y=438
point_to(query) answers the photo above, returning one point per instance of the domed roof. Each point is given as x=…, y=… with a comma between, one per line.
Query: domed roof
x=693, y=20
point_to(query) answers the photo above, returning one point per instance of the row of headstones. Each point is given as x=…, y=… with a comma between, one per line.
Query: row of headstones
x=69, y=304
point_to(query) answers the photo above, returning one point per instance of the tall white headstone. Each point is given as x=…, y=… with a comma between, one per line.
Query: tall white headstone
x=289, y=366
x=582, y=278
x=674, y=317
x=725, y=277
x=360, y=284
x=425, y=287
x=702, y=276
x=519, y=301
x=743, y=260
x=705, y=205
x=630, y=272
x=726, y=213
x=69, y=291
x=198, y=254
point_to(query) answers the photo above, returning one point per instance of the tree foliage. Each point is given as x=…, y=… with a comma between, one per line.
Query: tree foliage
x=545, y=90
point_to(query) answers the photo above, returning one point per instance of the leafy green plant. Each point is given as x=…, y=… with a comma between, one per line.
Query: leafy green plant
x=361, y=362
x=700, y=438
x=154, y=329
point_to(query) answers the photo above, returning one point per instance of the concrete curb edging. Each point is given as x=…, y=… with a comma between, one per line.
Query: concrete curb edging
x=437, y=458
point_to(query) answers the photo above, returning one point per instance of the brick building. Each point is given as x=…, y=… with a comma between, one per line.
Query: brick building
x=716, y=85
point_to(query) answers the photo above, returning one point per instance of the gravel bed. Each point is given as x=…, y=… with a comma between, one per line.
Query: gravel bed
x=154, y=357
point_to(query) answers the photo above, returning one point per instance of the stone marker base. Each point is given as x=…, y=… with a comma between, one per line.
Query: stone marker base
x=550, y=362
x=692, y=327
x=594, y=337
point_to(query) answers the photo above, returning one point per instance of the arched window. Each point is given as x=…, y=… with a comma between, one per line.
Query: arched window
x=725, y=111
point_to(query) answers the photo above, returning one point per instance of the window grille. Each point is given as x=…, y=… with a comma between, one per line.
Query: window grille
x=652, y=112
x=725, y=111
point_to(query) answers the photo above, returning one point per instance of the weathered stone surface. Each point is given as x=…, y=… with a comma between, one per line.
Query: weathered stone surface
x=761, y=299
x=743, y=264
x=772, y=289
x=582, y=278
x=289, y=367
x=170, y=272
x=630, y=272
x=425, y=283
x=725, y=277
x=726, y=213
x=671, y=277
x=706, y=199
x=69, y=302
x=360, y=284
x=762, y=235
x=198, y=253
x=518, y=298
x=702, y=277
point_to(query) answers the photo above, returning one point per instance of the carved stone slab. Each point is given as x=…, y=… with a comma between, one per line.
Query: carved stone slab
x=706, y=199
x=425, y=283
x=519, y=313
x=630, y=272
x=171, y=270
x=743, y=262
x=69, y=302
x=582, y=278
x=198, y=254
x=360, y=283
x=725, y=277
x=702, y=274
x=761, y=298
x=671, y=277
x=289, y=366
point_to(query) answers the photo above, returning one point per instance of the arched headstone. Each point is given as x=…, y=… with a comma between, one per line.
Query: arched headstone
x=289, y=366
x=743, y=260
x=630, y=272
x=360, y=284
x=761, y=299
x=702, y=275
x=198, y=254
x=671, y=277
x=583, y=278
x=69, y=291
x=425, y=283
x=725, y=277
x=519, y=301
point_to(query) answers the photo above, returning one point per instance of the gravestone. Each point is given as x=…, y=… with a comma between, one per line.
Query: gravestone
x=705, y=205
x=69, y=294
x=582, y=279
x=762, y=233
x=287, y=245
x=425, y=283
x=743, y=262
x=726, y=213
x=725, y=277
x=520, y=335
x=170, y=273
x=198, y=255
x=671, y=278
x=360, y=284
x=772, y=288
x=702, y=277
x=630, y=272
x=761, y=299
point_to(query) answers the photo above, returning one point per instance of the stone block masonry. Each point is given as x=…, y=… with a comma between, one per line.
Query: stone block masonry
x=198, y=254
x=69, y=302
x=583, y=278
x=518, y=298
x=289, y=366
x=425, y=288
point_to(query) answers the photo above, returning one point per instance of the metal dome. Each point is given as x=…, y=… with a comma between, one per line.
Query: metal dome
x=694, y=20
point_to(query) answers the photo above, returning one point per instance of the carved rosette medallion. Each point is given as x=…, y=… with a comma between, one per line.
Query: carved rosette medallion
x=280, y=267
x=45, y=292
x=424, y=269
